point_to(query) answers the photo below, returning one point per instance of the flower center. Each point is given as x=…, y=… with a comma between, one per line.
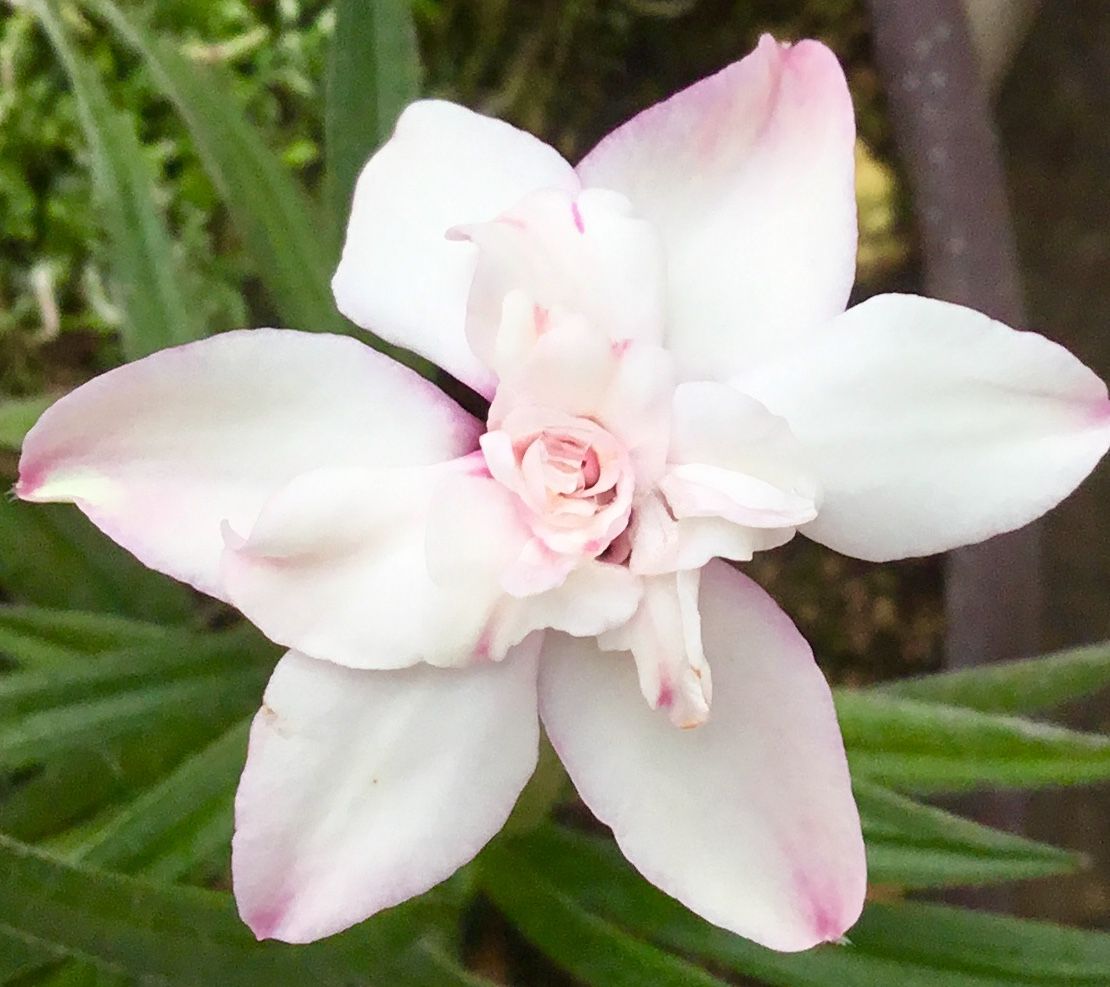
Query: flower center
x=573, y=478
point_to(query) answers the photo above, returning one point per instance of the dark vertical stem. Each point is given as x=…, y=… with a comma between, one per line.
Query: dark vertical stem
x=942, y=122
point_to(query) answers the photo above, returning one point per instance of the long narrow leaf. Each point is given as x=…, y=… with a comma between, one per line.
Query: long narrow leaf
x=42, y=637
x=166, y=660
x=144, y=269
x=17, y=415
x=909, y=945
x=373, y=71
x=268, y=208
x=39, y=542
x=179, y=822
x=74, y=785
x=909, y=744
x=35, y=737
x=588, y=947
x=1025, y=686
x=920, y=846
x=182, y=936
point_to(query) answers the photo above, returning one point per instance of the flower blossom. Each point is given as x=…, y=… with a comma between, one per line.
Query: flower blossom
x=673, y=381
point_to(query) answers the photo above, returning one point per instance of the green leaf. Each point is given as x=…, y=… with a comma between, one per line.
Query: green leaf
x=268, y=208
x=373, y=72
x=17, y=958
x=182, y=821
x=17, y=415
x=1025, y=686
x=41, y=637
x=73, y=785
x=589, y=948
x=910, y=945
x=36, y=737
x=159, y=663
x=42, y=543
x=920, y=846
x=904, y=743
x=185, y=936
x=144, y=269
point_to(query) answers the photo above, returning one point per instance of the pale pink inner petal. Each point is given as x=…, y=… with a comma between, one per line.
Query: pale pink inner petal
x=664, y=637
x=555, y=251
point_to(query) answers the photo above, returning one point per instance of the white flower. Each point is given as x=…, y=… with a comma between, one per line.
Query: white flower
x=673, y=380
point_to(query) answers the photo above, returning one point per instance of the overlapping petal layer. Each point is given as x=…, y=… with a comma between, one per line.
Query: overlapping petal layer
x=160, y=452
x=748, y=176
x=400, y=276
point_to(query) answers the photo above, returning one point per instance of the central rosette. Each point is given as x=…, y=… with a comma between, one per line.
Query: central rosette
x=574, y=481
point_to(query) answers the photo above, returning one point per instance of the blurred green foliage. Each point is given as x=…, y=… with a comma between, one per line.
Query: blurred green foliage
x=565, y=69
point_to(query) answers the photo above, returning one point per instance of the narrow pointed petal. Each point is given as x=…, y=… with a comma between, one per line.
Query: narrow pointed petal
x=160, y=452
x=749, y=819
x=400, y=276
x=930, y=426
x=748, y=175
x=664, y=637
x=337, y=567
x=363, y=789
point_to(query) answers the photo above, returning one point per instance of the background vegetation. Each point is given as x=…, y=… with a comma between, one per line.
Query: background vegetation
x=179, y=167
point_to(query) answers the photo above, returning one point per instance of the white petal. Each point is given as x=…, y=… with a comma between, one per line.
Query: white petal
x=337, y=567
x=747, y=820
x=576, y=369
x=400, y=276
x=555, y=250
x=158, y=453
x=748, y=175
x=593, y=598
x=737, y=483
x=930, y=426
x=363, y=789
x=664, y=637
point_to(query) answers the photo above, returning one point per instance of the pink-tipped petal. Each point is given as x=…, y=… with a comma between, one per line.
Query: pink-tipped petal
x=160, y=452
x=337, y=568
x=748, y=175
x=749, y=819
x=400, y=276
x=363, y=789
x=930, y=426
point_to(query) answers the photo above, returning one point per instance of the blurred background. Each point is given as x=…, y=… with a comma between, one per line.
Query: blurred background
x=569, y=71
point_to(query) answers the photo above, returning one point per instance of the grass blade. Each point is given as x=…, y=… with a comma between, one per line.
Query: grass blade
x=373, y=72
x=269, y=209
x=143, y=265
x=1025, y=686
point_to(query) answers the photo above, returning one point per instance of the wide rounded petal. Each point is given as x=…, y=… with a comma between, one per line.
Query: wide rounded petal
x=749, y=819
x=749, y=177
x=930, y=426
x=400, y=276
x=363, y=789
x=159, y=452
x=337, y=567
